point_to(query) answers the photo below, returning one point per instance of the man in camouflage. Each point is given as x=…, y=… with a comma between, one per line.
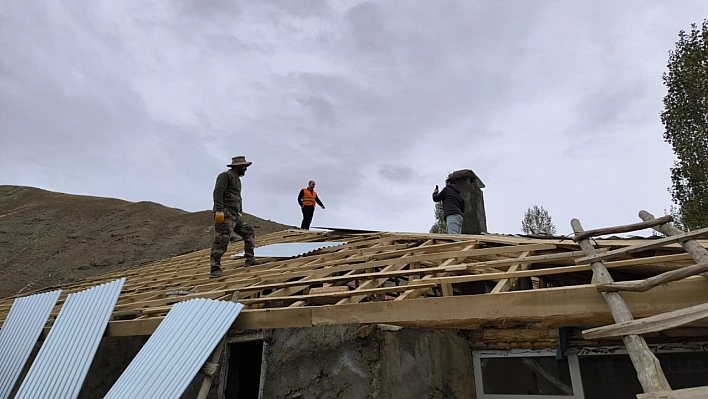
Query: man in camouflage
x=228, y=218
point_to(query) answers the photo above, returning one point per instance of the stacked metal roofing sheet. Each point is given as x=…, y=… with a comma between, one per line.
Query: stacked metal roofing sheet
x=62, y=363
x=176, y=351
x=19, y=333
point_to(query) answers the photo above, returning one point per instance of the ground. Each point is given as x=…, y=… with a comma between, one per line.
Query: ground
x=48, y=238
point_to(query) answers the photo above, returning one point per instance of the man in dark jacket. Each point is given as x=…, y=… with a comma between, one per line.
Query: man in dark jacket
x=453, y=205
x=228, y=217
x=307, y=198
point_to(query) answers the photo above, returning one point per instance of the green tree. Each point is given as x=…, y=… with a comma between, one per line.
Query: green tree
x=537, y=221
x=440, y=225
x=685, y=119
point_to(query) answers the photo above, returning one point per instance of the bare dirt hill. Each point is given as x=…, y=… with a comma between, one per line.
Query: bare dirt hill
x=49, y=238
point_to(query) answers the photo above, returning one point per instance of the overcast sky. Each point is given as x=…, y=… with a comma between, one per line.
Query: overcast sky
x=554, y=103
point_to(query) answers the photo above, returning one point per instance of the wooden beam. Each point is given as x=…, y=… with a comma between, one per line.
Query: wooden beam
x=416, y=293
x=505, y=275
x=642, y=247
x=693, y=247
x=549, y=308
x=532, y=259
x=339, y=294
x=376, y=282
x=504, y=284
x=622, y=229
x=649, y=371
x=364, y=276
x=688, y=393
x=651, y=282
x=660, y=322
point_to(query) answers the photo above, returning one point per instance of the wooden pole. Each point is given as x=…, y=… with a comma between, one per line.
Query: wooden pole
x=648, y=368
x=698, y=253
x=651, y=282
x=623, y=229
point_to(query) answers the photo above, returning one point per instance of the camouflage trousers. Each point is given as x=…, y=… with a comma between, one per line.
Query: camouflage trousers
x=222, y=234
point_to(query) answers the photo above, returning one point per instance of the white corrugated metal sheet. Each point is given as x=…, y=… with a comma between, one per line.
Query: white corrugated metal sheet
x=290, y=249
x=19, y=333
x=62, y=363
x=176, y=351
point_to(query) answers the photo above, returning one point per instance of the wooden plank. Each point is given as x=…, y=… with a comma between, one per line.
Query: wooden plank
x=534, y=259
x=165, y=301
x=655, y=323
x=418, y=292
x=504, y=284
x=688, y=393
x=375, y=282
x=506, y=275
x=651, y=282
x=693, y=247
x=363, y=276
x=339, y=294
x=545, y=271
x=623, y=229
x=549, y=308
x=649, y=371
x=642, y=247
x=316, y=297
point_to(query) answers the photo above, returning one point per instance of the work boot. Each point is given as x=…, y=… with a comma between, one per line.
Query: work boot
x=216, y=273
x=251, y=262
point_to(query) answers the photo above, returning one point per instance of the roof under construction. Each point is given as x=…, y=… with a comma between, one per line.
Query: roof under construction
x=406, y=279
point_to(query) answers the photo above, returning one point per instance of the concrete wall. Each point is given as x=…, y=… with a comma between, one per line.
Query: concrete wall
x=475, y=217
x=332, y=361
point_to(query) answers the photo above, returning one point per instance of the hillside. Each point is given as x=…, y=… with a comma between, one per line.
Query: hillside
x=49, y=238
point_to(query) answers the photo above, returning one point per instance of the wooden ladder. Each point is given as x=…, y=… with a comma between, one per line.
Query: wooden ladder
x=649, y=371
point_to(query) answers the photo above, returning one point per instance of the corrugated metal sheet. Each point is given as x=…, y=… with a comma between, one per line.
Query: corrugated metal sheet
x=176, y=351
x=291, y=249
x=19, y=333
x=62, y=363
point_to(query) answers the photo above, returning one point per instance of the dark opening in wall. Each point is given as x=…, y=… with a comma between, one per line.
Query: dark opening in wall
x=243, y=380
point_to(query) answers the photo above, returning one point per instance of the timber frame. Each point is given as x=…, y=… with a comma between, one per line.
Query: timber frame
x=408, y=279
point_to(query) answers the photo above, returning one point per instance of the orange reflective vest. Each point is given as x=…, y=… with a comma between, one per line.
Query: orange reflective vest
x=309, y=197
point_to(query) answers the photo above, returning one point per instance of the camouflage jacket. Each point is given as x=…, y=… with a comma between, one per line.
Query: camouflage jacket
x=227, y=192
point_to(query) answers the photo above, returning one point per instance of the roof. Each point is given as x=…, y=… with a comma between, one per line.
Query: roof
x=407, y=279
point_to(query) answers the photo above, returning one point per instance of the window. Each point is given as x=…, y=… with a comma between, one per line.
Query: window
x=588, y=373
x=526, y=374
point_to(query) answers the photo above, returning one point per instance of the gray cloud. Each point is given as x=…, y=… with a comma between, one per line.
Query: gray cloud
x=149, y=101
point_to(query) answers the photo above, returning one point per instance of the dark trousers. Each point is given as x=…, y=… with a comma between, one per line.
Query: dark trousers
x=307, y=213
x=222, y=235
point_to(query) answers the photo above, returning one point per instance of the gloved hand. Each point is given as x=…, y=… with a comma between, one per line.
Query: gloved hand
x=219, y=217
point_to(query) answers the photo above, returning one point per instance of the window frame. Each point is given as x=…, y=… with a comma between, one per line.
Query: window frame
x=573, y=366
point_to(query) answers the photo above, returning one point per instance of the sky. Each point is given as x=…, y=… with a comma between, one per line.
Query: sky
x=552, y=103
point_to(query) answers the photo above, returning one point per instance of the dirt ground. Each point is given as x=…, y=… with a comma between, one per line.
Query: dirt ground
x=49, y=238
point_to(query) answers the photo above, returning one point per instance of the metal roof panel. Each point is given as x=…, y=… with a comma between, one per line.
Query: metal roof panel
x=19, y=333
x=176, y=351
x=62, y=363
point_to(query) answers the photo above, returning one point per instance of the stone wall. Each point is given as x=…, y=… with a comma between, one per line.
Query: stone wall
x=333, y=361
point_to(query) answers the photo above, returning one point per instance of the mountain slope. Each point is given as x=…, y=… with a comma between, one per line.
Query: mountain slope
x=49, y=238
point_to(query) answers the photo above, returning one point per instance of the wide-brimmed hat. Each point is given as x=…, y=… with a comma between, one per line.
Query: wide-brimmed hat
x=240, y=160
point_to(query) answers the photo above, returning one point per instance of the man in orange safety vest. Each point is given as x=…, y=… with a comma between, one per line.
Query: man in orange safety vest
x=307, y=200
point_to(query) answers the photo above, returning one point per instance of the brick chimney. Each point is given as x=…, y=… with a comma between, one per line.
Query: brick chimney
x=475, y=218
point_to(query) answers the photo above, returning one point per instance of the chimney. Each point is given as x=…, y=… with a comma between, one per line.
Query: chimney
x=475, y=218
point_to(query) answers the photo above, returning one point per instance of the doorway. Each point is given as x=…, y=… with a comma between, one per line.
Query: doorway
x=243, y=378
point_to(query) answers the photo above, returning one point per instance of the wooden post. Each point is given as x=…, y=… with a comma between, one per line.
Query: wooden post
x=698, y=253
x=648, y=368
